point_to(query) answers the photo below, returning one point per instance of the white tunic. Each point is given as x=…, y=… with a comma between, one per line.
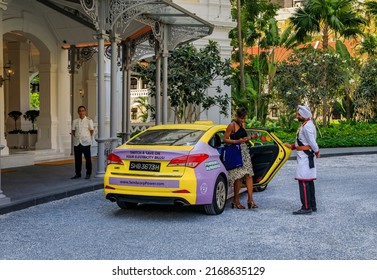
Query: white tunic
x=307, y=135
x=82, y=128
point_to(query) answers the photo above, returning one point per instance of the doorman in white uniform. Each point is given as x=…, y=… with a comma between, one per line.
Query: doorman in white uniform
x=82, y=131
x=307, y=152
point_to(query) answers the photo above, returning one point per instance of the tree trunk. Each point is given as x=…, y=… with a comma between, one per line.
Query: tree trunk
x=240, y=47
x=348, y=105
x=325, y=44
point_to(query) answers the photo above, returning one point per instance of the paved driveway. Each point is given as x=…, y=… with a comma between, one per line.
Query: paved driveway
x=89, y=227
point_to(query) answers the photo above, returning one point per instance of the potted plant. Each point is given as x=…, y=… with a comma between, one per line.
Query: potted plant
x=15, y=115
x=32, y=115
x=14, y=138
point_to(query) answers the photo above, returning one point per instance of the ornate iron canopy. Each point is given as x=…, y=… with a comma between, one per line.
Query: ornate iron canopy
x=132, y=18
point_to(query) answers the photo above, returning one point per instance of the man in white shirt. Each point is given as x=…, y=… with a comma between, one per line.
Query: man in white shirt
x=82, y=131
x=307, y=151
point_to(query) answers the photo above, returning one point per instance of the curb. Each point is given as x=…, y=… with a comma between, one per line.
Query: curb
x=26, y=203
x=293, y=157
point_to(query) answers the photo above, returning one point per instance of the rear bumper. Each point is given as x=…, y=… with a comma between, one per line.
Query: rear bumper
x=147, y=199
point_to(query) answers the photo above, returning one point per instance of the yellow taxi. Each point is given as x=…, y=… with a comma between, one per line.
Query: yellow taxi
x=181, y=164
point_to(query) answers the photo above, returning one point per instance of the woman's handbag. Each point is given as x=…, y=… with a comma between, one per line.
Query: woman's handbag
x=231, y=156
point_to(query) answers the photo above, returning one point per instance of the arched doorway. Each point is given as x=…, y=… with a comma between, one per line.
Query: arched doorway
x=35, y=52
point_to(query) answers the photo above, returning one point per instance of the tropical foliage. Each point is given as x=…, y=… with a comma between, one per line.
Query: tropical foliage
x=34, y=93
x=339, y=134
x=329, y=18
x=142, y=106
x=333, y=79
x=328, y=78
x=191, y=73
x=300, y=78
x=259, y=28
x=366, y=93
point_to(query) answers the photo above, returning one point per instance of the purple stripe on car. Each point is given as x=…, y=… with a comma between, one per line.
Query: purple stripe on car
x=206, y=174
x=145, y=183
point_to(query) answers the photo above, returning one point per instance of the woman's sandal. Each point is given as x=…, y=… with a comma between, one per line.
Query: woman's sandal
x=252, y=205
x=237, y=205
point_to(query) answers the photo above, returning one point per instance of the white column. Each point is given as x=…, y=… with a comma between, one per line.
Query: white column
x=165, y=54
x=101, y=97
x=5, y=150
x=158, y=88
x=91, y=92
x=114, y=91
x=126, y=92
x=72, y=62
x=3, y=198
x=47, y=127
x=63, y=99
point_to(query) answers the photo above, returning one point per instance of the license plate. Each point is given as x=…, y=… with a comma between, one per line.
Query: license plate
x=145, y=166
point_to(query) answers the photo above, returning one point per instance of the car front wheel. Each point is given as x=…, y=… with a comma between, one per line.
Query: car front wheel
x=219, y=198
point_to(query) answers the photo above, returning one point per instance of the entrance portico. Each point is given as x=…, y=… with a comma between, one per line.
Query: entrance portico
x=142, y=28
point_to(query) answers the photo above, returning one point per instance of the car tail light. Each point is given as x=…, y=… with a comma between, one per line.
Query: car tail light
x=181, y=191
x=114, y=159
x=188, y=161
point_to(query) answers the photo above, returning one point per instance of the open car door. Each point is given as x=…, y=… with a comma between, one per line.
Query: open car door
x=268, y=155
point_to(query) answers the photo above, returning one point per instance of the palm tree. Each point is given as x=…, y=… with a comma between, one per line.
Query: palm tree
x=337, y=18
x=271, y=46
x=369, y=44
x=371, y=7
x=240, y=47
x=142, y=104
x=254, y=18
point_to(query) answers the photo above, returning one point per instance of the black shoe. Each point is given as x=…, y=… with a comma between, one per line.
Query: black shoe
x=302, y=212
x=76, y=177
x=87, y=176
x=314, y=209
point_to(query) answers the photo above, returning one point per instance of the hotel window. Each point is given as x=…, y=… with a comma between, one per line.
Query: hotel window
x=133, y=83
x=133, y=113
x=274, y=112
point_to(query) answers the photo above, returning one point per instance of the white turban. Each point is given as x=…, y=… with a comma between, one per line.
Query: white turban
x=304, y=111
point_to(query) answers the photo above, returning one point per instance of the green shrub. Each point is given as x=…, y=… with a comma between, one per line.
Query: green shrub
x=341, y=134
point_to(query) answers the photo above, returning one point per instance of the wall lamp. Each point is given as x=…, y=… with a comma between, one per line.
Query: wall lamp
x=8, y=71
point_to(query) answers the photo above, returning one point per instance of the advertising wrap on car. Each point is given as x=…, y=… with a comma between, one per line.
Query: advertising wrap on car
x=181, y=164
x=131, y=154
x=145, y=183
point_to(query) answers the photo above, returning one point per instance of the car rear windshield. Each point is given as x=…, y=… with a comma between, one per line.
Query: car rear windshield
x=168, y=137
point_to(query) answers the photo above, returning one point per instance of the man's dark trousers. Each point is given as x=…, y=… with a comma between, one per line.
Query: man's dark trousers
x=307, y=195
x=79, y=150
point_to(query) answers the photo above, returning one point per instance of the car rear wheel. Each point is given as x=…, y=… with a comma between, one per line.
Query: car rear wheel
x=126, y=205
x=219, y=198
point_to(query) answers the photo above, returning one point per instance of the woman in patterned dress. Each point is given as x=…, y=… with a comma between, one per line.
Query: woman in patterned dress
x=236, y=134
